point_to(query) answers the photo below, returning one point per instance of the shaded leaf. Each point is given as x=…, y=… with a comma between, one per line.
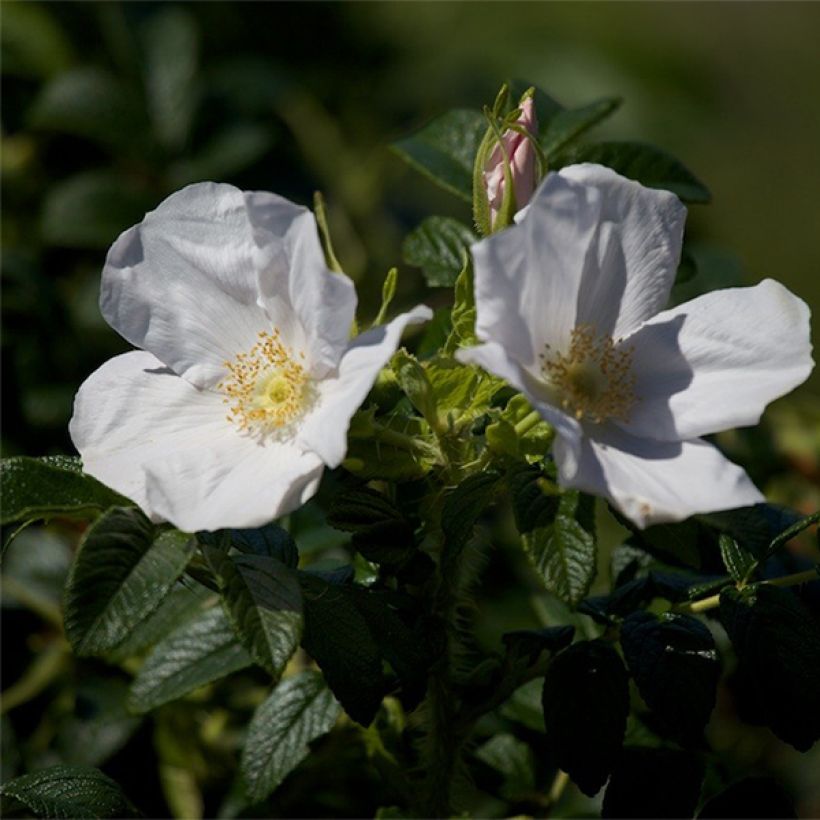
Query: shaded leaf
x=644, y=163
x=337, y=637
x=67, y=792
x=438, y=246
x=752, y=797
x=565, y=126
x=444, y=150
x=586, y=702
x=676, y=668
x=777, y=642
x=122, y=573
x=299, y=710
x=34, y=488
x=202, y=649
x=564, y=552
x=462, y=509
x=737, y=561
x=514, y=760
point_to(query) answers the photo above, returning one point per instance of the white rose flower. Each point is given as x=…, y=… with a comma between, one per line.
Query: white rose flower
x=570, y=309
x=247, y=378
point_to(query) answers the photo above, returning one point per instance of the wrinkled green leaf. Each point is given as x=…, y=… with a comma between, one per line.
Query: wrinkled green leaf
x=463, y=314
x=35, y=488
x=444, y=150
x=338, y=639
x=676, y=668
x=535, y=498
x=299, y=710
x=438, y=247
x=586, y=702
x=263, y=603
x=461, y=393
x=737, y=561
x=122, y=573
x=67, y=792
x=518, y=432
x=564, y=552
x=564, y=127
x=200, y=650
x=777, y=642
x=644, y=163
x=463, y=507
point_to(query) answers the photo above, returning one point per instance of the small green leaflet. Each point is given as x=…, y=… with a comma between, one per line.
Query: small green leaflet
x=123, y=571
x=299, y=710
x=564, y=552
x=438, y=246
x=262, y=600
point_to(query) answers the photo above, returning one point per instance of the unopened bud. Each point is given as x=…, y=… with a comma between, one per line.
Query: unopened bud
x=522, y=163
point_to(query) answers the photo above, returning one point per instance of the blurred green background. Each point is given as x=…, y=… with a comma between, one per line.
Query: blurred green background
x=109, y=107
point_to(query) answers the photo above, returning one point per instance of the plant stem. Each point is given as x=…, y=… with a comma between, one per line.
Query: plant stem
x=528, y=422
x=713, y=601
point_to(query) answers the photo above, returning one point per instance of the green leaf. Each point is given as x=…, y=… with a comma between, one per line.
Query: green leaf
x=67, y=792
x=199, y=651
x=271, y=540
x=756, y=528
x=413, y=380
x=566, y=126
x=463, y=314
x=337, y=637
x=564, y=552
x=532, y=642
x=394, y=447
x=654, y=783
x=263, y=603
x=676, y=668
x=34, y=488
x=463, y=507
x=786, y=535
x=445, y=149
x=171, y=49
x=91, y=103
x=90, y=209
x=438, y=247
x=524, y=706
x=586, y=702
x=299, y=710
x=644, y=163
x=777, y=642
x=122, y=573
x=461, y=393
x=534, y=496
x=388, y=292
x=34, y=42
x=737, y=561
x=519, y=432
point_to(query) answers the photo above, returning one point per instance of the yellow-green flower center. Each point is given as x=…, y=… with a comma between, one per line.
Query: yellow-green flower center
x=268, y=388
x=593, y=380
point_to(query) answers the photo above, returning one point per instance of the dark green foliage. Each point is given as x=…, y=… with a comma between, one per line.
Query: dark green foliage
x=753, y=797
x=462, y=510
x=65, y=792
x=298, y=711
x=778, y=647
x=654, y=783
x=338, y=639
x=438, y=246
x=202, y=649
x=586, y=701
x=644, y=163
x=445, y=149
x=675, y=665
x=35, y=488
x=738, y=561
x=532, y=506
x=271, y=540
x=531, y=642
x=264, y=604
x=564, y=551
x=122, y=572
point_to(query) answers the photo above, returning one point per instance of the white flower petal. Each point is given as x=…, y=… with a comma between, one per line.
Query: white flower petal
x=299, y=282
x=166, y=445
x=527, y=276
x=324, y=430
x=651, y=482
x=715, y=363
x=193, y=283
x=635, y=256
x=494, y=359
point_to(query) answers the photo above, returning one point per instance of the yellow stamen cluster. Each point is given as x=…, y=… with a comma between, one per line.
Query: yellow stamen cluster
x=267, y=388
x=593, y=380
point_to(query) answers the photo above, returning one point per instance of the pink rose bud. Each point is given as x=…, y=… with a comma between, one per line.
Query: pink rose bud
x=521, y=154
